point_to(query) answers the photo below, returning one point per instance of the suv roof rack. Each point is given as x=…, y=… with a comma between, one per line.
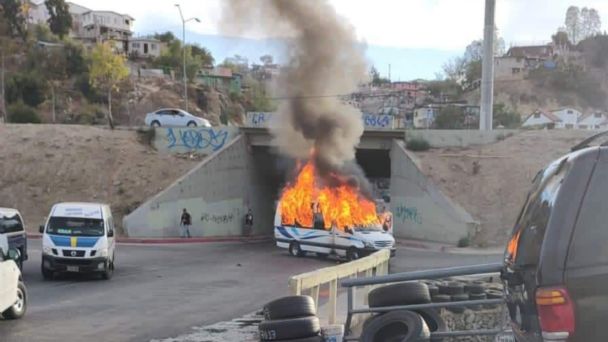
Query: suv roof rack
x=585, y=143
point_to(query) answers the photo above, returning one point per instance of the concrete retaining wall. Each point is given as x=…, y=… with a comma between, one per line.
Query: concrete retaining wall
x=217, y=194
x=202, y=140
x=458, y=137
x=420, y=210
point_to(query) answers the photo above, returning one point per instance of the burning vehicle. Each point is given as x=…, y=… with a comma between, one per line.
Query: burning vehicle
x=330, y=215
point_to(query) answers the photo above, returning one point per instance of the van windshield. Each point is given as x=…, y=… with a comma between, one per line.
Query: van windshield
x=74, y=226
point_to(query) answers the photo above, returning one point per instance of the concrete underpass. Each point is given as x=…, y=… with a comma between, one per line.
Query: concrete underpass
x=248, y=173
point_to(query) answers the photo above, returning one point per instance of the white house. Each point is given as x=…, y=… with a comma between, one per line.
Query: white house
x=593, y=121
x=541, y=119
x=569, y=117
x=145, y=47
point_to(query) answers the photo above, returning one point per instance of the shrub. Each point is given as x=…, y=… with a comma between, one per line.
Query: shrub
x=28, y=88
x=21, y=113
x=418, y=144
x=464, y=242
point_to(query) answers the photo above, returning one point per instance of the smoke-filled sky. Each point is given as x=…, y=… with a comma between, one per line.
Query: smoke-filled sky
x=400, y=32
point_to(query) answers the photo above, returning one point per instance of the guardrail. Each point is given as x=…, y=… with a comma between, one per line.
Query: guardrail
x=374, y=264
x=351, y=284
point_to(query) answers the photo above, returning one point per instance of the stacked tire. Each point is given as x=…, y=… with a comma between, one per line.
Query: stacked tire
x=402, y=325
x=290, y=319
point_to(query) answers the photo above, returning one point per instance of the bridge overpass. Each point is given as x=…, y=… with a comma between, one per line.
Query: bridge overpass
x=244, y=170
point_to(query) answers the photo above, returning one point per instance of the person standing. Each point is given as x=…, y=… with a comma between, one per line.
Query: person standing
x=185, y=223
x=248, y=223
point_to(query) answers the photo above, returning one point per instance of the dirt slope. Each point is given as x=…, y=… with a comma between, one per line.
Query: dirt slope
x=496, y=193
x=44, y=164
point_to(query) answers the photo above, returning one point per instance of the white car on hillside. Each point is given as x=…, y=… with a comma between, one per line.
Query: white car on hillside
x=172, y=117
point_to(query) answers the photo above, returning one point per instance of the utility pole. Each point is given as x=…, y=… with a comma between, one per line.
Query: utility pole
x=487, y=69
x=184, y=52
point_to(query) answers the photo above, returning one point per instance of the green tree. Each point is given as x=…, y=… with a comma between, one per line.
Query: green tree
x=21, y=113
x=266, y=59
x=572, y=23
x=14, y=12
x=504, y=117
x=28, y=87
x=450, y=117
x=166, y=37
x=106, y=72
x=172, y=59
x=377, y=80
x=203, y=53
x=60, y=19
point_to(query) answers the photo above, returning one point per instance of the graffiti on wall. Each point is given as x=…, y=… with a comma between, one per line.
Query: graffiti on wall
x=217, y=219
x=378, y=121
x=404, y=213
x=202, y=138
x=259, y=119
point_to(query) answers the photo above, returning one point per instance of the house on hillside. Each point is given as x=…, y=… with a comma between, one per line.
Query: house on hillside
x=508, y=68
x=145, y=47
x=519, y=60
x=591, y=121
x=541, y=119
x=569, y=117
x=424, y=117
x=90, y=26
x=222, y=79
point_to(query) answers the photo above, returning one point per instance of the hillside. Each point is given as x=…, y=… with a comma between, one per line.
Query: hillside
x=45, y=164
x=494, y=195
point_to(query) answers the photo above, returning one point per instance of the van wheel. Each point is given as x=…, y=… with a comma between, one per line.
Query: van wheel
x=352, y=254
x=18, y=309
x=191, y=124
x=295, y=250
x=155, y=124
x=109, y=271
x=46, y=274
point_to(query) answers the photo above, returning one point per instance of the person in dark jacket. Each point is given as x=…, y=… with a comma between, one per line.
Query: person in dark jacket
x=185, y=223
x=248, y=223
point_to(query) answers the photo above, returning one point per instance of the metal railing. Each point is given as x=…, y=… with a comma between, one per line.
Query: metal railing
x=374, y=264
x=351, y=285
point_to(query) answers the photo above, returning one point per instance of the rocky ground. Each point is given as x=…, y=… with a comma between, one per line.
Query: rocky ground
x=491, y=181
x=44, y=164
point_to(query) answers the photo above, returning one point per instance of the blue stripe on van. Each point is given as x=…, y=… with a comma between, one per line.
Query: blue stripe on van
x=81, y=241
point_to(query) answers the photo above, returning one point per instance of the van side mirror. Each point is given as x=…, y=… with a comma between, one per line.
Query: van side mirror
x=14, y=254
x=41, y=229
x=110, y=233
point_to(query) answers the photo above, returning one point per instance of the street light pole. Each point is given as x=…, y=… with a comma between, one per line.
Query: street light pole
x=184, y=52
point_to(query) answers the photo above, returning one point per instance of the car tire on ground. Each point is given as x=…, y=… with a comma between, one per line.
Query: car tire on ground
x=451, y=288
x=352, y=254
x=108, y=271
x=461, y=297
x=155, y=124
x=18, y=309
x=396, y=326
x=46, y=273
x=440, y=298
x=289, y=329
x=433, y=320
x=399, y=294
x=295, y=250
x=191, y=124
x=290, y=307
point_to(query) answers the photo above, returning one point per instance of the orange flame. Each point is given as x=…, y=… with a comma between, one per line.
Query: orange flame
x=512, y=246
x=342, y=204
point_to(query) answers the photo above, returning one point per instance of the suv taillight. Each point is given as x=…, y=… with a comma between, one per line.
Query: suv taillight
x=555, y=313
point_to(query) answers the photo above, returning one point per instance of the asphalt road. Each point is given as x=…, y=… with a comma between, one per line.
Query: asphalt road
x=160, y=291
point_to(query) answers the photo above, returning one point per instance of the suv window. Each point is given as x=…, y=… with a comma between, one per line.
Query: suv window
x=529, y=232
x=589, y=243
x=10, y=224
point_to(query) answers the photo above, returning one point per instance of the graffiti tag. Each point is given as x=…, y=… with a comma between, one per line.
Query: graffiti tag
x=377, y=121
x=197, y=138
x=217, y=219
x=259, y=119
x=404, y=213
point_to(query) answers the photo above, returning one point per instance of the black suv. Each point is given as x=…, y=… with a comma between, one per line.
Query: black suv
x=556, y=263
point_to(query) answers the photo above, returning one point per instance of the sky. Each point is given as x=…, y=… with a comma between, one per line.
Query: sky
x=414, y=36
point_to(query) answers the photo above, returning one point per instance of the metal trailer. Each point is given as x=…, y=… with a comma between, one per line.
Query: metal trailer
x=351, y=284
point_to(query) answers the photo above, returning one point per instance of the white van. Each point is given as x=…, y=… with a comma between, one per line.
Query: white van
x=78, y=237
x=352, y=245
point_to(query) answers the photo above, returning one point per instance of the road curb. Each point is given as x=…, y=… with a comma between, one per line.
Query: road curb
x=177, y=240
